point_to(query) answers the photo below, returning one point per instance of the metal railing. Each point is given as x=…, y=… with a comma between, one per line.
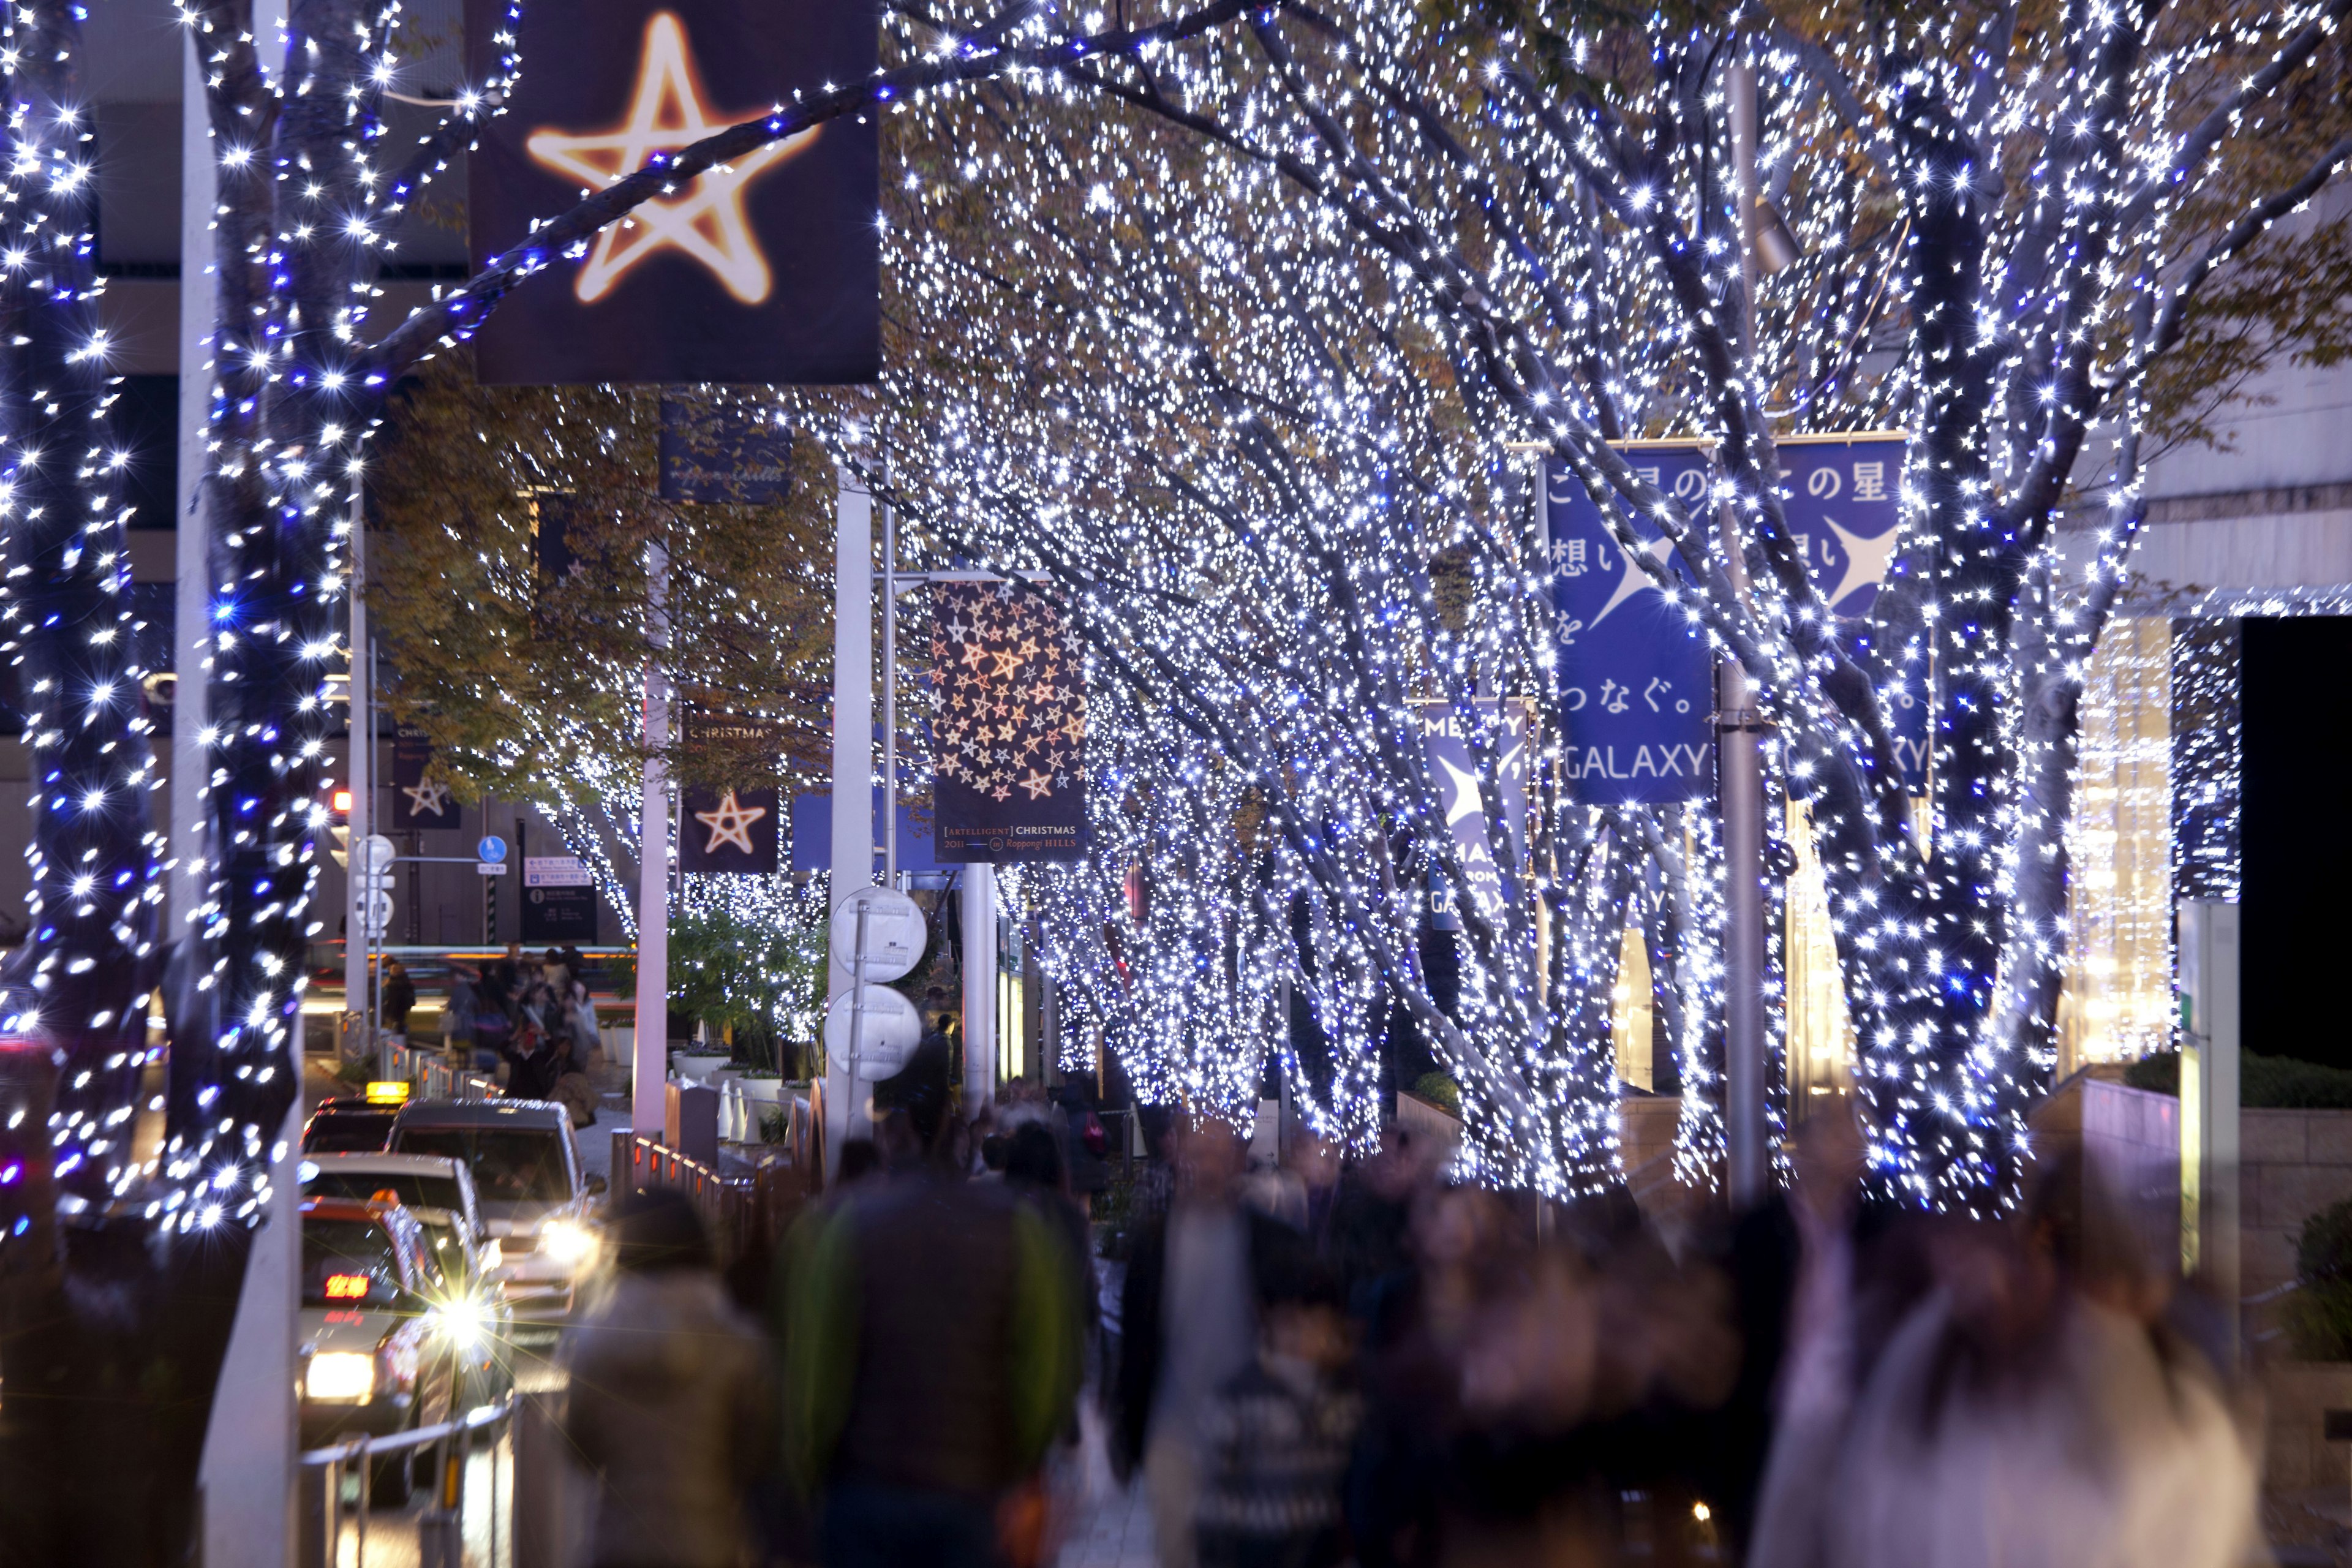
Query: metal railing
x=431, y=1076
x=440, y=1539
x=746, y=1209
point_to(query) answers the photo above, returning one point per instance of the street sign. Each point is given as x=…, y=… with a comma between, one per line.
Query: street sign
x=891, y=1030
x=555, y=871
x=378, y=913
x=896, y=934
x=377, y=853
x=490, y=849
x=492, y=867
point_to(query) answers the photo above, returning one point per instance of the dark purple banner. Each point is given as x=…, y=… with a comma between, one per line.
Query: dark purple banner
x=766, y=270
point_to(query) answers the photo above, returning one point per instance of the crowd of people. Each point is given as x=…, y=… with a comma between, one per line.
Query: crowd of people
x=1327, y=1362
x=533, y=1017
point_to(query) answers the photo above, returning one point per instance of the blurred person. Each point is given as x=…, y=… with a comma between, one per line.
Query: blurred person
x=555, y=974
x=532, y=1065
x=1038, y=1175
x=931, y=1356
x=1419, y=1322
x=859, y=1160
x=2034, y=1411
x=1276, y=1437
x=580, y=1023
x=397, y=999
x=1793, y=1263
x=1363, y=1237
x=1313, y=1160
x=458, y=1010
x=670, y=1401
x=1189, y=1315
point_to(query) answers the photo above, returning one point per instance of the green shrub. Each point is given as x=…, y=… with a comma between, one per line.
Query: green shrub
x=2318, y=1315
x=1440, y=1090
x=2264, y=1083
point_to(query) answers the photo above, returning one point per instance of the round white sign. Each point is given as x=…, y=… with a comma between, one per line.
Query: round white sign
x=886, y=1036
x=895, y=933
x=377, y=853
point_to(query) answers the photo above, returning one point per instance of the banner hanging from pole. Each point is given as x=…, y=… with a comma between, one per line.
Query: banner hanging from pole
x=414, y=802
x=1636, y=673
x=766, y=270
x=716, y=451
x=1450, y=735
x=1008, y=724
x=727, y=832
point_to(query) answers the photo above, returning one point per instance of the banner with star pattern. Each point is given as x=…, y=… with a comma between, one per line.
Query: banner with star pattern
x=765, y=271
x=721, y=832
x=1008, y=727
x=415, y=803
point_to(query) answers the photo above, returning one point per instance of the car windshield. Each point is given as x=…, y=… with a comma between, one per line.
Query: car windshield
x=348, y=1263
x=511, y=1164
x=386, y=1186
x=347, y=1132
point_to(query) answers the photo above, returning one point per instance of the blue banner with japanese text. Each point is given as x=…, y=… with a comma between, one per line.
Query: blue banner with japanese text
x=1636, y=678
x=1636, y=675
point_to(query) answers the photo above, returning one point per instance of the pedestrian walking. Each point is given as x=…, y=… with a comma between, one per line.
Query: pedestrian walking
x=580, y=1020
x=1275, y=1440
x=397, y=999
x=532, y=1064
x=458, y=1010
x=1189, y=1312
x=671, y=1403
x=931, y=1356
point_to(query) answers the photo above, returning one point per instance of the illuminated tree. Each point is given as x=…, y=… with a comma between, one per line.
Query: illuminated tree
x=1327, y=266
x=121, y=1274
x=531, y=685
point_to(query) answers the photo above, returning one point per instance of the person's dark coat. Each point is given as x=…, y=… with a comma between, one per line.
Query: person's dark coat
x=399, y=997
x=1277, y=1256
x=531, y=1066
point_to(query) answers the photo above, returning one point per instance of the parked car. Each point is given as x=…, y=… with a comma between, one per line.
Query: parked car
x=439, y=1192
x=382, y=1349
x=345, y=1122
x=533, y=1195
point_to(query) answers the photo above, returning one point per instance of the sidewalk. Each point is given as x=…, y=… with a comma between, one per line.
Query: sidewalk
x=1115, y=1533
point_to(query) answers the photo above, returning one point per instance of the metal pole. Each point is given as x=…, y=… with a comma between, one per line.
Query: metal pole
x=857, y=1004
x=979, y=909
x=650, y=1058
x=1739, y=772
x=852, y=834
x=889, y=696
x=362, y=711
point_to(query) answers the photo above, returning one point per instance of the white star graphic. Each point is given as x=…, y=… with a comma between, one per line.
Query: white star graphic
x=426, y=799
x=1865, y=560
x=1636, y=577
x=707, y=222
x=1465, y=801
x=730, y=823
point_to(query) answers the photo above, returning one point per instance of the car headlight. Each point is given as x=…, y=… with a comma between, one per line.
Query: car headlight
x=566, y=1242
x=461, y=1322
x=340, y=1374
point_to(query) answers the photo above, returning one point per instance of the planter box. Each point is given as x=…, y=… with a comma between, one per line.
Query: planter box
x=696, y=1067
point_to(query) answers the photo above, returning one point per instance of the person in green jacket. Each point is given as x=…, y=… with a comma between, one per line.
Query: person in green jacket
x=931, y=1356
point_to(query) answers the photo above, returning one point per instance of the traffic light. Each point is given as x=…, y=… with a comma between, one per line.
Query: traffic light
x=338, y=807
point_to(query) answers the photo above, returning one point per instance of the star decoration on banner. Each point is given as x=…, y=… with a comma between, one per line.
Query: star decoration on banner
x=1009, y=713
x=426, y=799
x=707, y=221
x=730, y=823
